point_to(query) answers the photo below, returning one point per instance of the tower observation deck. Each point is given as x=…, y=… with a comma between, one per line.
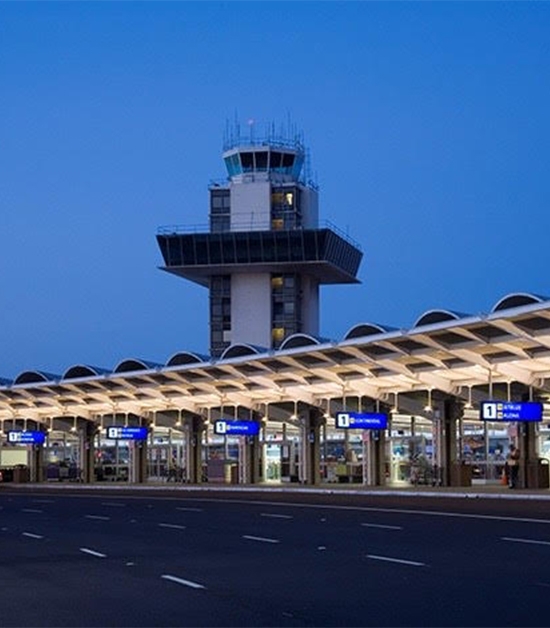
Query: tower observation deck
x=264, y=255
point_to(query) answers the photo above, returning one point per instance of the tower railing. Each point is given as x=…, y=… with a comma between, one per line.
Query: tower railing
x=252, y=224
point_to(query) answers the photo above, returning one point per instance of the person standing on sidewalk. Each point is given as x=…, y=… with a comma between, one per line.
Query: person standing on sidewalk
x=513, y=466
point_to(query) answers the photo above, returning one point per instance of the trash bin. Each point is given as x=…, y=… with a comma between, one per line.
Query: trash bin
x=21, y=473
x=231, y=473
x=216, y=470
x=461, y=474
x=7, y=474
x=538, y=474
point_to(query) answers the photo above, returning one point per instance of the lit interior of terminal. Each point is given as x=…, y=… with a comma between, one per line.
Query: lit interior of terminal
x=273, y=402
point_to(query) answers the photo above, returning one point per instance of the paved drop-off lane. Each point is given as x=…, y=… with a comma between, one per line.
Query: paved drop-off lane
x=206, y=562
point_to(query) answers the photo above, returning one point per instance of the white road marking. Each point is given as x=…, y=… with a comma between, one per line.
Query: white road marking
x=98, y=517
x=542, y=584
x=406, y=511
x=396, y=560
x=171, y=525
x=275, y=516
x=190, y=509
x=322, y=547
x=532, y=541
x=31, y=510
x=43, y=501
x=187, y=583
x=4, y=529
x=92, y=552
x=113, y=504
x=260, y=538
x=383, y=527
x=31, y=535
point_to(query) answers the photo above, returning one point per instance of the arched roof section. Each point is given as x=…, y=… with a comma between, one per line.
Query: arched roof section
x=367, y=329
x=300, y=340
x=240, y=350
x=431, y=317
x=35, y=377
x=517, y=299
x=83, y=370
x=127, y=366
x=186, y=357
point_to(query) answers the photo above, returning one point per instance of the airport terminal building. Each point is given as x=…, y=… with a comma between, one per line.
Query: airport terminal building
x=273, y=402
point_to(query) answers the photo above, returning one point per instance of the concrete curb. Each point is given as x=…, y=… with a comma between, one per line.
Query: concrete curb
x=365, y=492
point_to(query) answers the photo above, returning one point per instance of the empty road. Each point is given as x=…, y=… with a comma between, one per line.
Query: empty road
x=226, y=559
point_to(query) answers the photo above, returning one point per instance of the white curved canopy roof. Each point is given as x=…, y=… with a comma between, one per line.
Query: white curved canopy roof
x=505, y=346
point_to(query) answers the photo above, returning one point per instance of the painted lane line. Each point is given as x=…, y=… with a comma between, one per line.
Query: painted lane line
x=260, y=538
x=396, y=560
x=92, y=552
x=406, y=511
x=189, y=509
x=31, y=510
x=382, y=527
x=542, y=584
x=532, y=541
x=43, y=501
x=98, y=517
x=31, y=535
x=113, y=504
x=187, y=583
x=275, y=516
x=171, y=525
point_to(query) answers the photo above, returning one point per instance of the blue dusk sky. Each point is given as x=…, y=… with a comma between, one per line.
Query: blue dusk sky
x=428, y=126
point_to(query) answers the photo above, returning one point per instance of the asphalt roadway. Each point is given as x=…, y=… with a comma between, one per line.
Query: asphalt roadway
x=180, y=557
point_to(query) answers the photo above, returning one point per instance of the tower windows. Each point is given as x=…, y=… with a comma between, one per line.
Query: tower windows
x=220, y=313
x=277, y=336
x=285, y=208
x=285, y=308
x=261, y=161
x=247, y=161
x=220, y=208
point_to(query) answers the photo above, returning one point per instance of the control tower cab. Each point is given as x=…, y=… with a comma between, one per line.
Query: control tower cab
x=264, y=256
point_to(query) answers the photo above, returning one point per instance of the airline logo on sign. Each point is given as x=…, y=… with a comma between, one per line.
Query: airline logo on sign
x=236, y=428
x=29, y=437
x=116, y=432
x=511, y=411
x=362, y=420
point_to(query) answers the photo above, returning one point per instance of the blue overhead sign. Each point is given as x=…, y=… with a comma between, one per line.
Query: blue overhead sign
x=511, y=411
x=236, y=428
x=117, y=432
x=362, y=420
x=26, y=437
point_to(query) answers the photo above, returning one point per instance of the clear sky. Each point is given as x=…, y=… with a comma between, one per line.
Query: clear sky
x=428, y=126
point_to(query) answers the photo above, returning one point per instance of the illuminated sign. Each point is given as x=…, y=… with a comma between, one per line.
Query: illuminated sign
x=511, y=411
x=362, y=420
x=236, y=428
x=117, y=432
x=26, y=437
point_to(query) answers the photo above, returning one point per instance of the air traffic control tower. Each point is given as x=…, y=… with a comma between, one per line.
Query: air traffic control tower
x=264, y=255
